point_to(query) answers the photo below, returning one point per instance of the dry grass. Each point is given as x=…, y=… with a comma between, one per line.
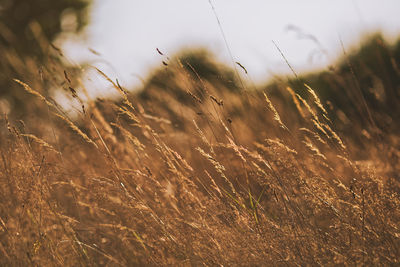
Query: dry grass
x=194, y=171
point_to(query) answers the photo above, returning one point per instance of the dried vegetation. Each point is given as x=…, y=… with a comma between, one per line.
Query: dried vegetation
x=195, y=169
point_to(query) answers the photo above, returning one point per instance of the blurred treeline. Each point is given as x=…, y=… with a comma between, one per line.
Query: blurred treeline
x=361, y=89
x=27, y=30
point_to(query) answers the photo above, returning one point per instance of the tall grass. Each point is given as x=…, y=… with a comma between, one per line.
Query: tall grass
x=194, y=170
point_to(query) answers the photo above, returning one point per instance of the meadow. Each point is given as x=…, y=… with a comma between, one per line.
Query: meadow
x=201, y=167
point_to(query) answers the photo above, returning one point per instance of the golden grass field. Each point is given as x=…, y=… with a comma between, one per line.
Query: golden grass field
x=201, y=168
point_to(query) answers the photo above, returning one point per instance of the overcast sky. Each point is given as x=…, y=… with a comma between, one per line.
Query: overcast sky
x=127, y=32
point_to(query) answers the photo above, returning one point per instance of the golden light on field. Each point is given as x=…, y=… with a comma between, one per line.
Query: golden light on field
x=202, y=164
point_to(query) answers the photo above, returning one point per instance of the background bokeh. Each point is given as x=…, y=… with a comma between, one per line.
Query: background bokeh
x=126, y=33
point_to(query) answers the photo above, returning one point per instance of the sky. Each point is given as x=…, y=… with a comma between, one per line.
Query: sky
x=126, y=33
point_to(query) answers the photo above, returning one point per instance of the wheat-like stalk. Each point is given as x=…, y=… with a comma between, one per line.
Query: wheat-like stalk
x=41, y=142
x=296, y=101
x=218, y=167
x=313, y=149
x=277, y=118
x=317, y=101
x=77, y=130
x=35, y=93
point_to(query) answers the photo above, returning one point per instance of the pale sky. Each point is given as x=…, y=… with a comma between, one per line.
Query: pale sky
x=127, y=32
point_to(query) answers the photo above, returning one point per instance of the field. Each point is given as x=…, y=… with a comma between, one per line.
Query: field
x=201, y=167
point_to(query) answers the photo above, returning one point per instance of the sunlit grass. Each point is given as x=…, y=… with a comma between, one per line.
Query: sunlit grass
x=194, y=170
